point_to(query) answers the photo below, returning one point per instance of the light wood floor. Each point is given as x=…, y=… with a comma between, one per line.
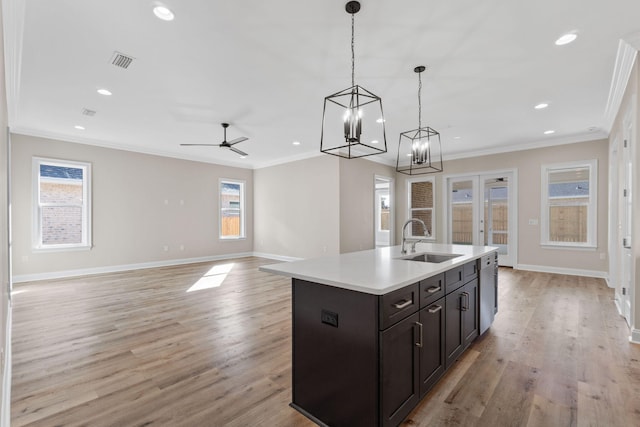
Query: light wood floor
x=137, y=349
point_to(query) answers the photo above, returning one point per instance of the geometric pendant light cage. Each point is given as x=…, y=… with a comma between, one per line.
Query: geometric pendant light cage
x=419, y=150
x=352, y=119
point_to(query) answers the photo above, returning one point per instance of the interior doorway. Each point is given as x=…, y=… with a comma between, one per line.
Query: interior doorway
x=480, y=209
x=383, y=211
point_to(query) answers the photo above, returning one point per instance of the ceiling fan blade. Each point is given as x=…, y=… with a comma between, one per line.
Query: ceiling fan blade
x=202, y=145
x=235, y=150
x=235, y=141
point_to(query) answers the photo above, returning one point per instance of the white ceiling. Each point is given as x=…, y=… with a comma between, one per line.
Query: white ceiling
x=266, y=66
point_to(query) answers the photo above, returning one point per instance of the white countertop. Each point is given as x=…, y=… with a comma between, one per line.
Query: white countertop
x=376, y=271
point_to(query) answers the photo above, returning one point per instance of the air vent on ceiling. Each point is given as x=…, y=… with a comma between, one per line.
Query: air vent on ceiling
x=121, y=60
x=87, y=112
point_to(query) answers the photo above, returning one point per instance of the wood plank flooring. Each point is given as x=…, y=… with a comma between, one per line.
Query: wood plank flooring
x=137, y=349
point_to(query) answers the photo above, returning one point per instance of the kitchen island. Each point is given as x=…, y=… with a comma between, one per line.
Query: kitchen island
x=373, y=331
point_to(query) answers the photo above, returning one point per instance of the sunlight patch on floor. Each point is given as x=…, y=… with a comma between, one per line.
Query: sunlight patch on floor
x=212, y=278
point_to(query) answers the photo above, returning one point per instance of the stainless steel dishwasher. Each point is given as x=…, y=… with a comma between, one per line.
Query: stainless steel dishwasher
x=488, y=290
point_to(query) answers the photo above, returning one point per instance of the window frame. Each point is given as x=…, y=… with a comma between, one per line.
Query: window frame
x=410, y=210
x=242, y=209
x=36, y=221
x=592, y=206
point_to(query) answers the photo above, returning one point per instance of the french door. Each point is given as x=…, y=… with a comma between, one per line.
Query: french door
x=481, y=210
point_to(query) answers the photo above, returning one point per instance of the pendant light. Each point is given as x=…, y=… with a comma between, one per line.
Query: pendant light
x=352, y=119
x=419, y=150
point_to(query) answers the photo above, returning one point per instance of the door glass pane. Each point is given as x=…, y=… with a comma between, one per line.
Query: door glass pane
x=462, y=212
x=496, y=214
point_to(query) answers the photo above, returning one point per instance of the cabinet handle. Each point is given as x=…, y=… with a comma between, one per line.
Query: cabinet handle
x=463, y=306
x=434, y=289
x=435, y=308
x=419, y=343
x=403, y=304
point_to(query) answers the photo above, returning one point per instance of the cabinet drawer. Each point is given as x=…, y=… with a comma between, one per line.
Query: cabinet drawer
x=470, y=271
x=453, y=279
x=397, y=305
x=431, y=289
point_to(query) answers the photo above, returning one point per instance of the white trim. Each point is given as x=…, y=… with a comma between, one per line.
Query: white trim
x=13, y=13
x=635, y=336
x=561, y=270
x=625, y=59
x=574, y=139
x=432, y=180
x=592, y=207
x=276, y=257
x=144, y=265
x=124, y=267
x=391, y=184
x=242, y=209
x=5, y=411
x=87, y=229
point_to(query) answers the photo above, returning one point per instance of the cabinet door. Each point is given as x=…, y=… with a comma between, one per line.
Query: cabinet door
x=432, y=360
x=470, y=312
x=399, y=368
x=453, y=327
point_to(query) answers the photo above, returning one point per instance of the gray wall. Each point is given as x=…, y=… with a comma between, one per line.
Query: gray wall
x=528, y=164
x=357, y=184
x=297, y=208
x=137, y=208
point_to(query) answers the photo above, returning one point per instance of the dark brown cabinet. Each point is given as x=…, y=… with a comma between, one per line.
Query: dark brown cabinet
x=367, y=360
x=432, y=355
x=399, y=367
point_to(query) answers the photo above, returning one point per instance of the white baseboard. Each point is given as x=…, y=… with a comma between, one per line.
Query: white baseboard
x=5, y=411
x=276, y=257
x=125, y=267
x=635, y=336
x=567, y=271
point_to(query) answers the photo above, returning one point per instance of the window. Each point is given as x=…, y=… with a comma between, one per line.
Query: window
x=421, y=202
x=232, y=209
x=62, y=205
x=569, y=204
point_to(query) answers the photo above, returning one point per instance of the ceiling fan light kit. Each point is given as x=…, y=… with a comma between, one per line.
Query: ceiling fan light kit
x=224, y=143
x=419, y=150
x=352, y=119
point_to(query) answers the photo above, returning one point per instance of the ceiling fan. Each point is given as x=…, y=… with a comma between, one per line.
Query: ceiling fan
x=225, y=143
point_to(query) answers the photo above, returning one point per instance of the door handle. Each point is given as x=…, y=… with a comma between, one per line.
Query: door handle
x=434, y=289
x=464, y=307
x=404, y=304
x=419, y=343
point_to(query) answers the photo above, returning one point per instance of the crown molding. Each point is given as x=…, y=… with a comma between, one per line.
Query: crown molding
x=625, y=58
x=13, y=12
x=123, y=147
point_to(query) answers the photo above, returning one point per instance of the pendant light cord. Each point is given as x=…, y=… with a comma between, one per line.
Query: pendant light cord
x=353, y=61
x=419, y=102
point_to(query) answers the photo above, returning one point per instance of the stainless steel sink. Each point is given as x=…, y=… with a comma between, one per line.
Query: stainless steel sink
x=433, y=258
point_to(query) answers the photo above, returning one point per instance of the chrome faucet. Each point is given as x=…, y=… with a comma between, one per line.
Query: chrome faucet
x=412, y=241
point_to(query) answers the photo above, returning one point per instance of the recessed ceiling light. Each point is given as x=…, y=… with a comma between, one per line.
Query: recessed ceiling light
x=566, y=39
x=375, y=141
x=296, y=142
x=457, y=137
x=380, y=120
x=79, y=127
x=549, y=132
x=163, y=13
x=243, y=157
x=104, y=92
x=541, y=106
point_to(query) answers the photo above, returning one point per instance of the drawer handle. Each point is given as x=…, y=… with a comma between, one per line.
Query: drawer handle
x=419, y=343
x=400, y=305
x=434, y=289
x=435, y=308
